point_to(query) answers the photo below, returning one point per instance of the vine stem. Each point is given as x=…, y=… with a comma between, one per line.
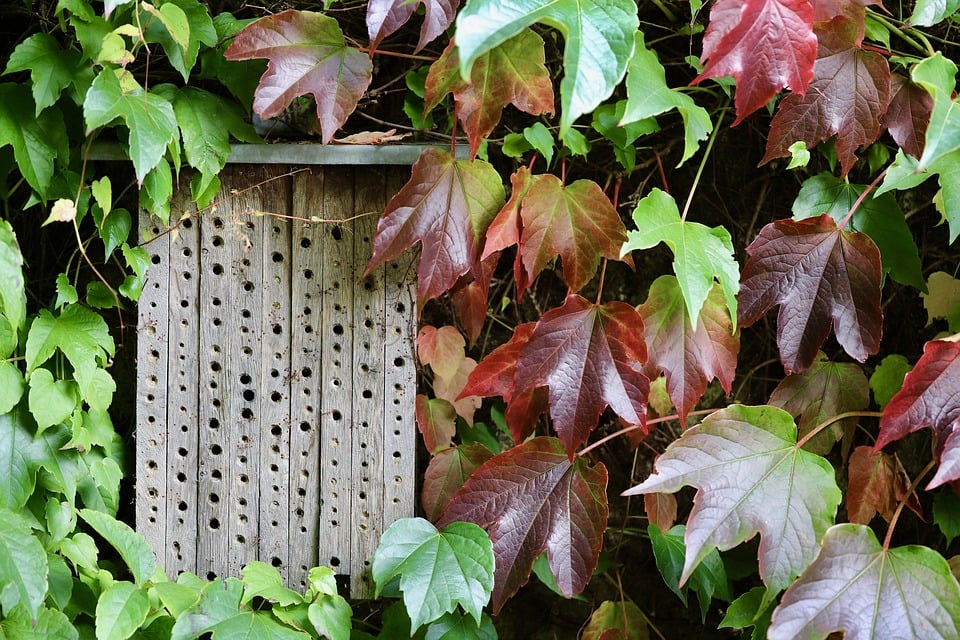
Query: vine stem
x=837, y=418
x=903, y=502
x=395, y=54
x=703, y=161
x=603, y=269
x=634, y=427
x=861, y=198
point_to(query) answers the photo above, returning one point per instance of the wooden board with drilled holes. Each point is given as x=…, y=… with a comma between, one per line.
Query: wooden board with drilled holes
x=276, y=383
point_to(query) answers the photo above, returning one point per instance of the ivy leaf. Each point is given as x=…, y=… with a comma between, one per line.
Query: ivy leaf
x=13, y=297
x=36, y=141
x=23, y=565
x=533, y=498
x=701, y=254
x=819, y=393
x=589, y=357
x=438, y=569
x=186, y=24
x=877, y=482
x=19, y=456
x=446, y=473
x=598, y=36
x=52, y=69
x=307, y=55
x=910, y=590
x=446, y=206
x=908, y=115
x=849, y=93
x=689, y=357
x=121, y=609
x=648, y=95
x=384, y=17
x=751, y=478
x=709, y=579
x=511, y=73
x=880, y=217
x=131, y=546
x=930, y=397
x=820, y=276
x=766, y=45
x=149, y=117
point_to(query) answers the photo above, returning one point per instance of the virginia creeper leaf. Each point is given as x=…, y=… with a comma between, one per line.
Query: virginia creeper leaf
x=930, y=397
x=121, y=609
x=458, y=626
x=36, y=140
x=511, y=73
x=13, y=297
x=307, y=55
x=446, y=206
x=443, y=350
x=181, y=42
x=766, y=45
x=438, y=569
x=446, y=473
x=533, y=498
x=661, y=509
x=51, y=401
x=942, y=299
x=437, y=422
x=887, y=378
x=621, y=620
x=849, y=92
x=946, y=514
x=819, y=393
x=908, y=115
x=23, y=565
x=52, y=69
x=589, y=357
x=598, y=35
x=820, y=276
x=689, y=357
x=20, y=455
x=131, y=546
x=927, y=13
x=750, y=478
x=707, y=580
x=507, y=226
x=877, y=482
x=858, y=587
x=701, y=254
x=384, y=17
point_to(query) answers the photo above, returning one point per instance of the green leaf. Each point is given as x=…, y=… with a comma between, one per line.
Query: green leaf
x=11, y=386
x=608, y=122
x=60, y=583
x=149, y=117
x=598, y=37
x=946, y=514
x=102, y=192
x=887, y=378
x=879, y=217
x=437, y=569
x=157, y=191
x=52, y=69
x=99, y=296
x=66, y=292
x=181, y=41
x=332, y=617
x=100, y=488
x=540, y=139
x=23, y=564
x=48, y=624
x=458, y=626
x=62, y=470
x=81, y=550
x=36, y=140
x=263, y=581
x=177, y=597
x=121, y=610
x=61, y=519
x=131, y=546
x=114, y=230
x=648, y=95
x=709, y=579
x=752, y=609
x=17, y=459
x=701, y=253
x=903, y=174
x=51, y=401
x=13, y=296
x=927, y=13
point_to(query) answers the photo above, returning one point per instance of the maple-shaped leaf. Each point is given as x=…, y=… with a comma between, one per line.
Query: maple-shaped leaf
x=384, y=17
x=598, y=36
x=766, y=45
x=661, y=509
x=534, y=498
x=751, y=478
x=701, y=254
x=589, y=357
x=876, y=484
x=856, y=10
x=307, y=55
x=930, y=397
x=511, y=73
x=690, y=357
x=821, y=276
x=437, y=422
x=446, y=206
x=469, y=297
x=495, y=376
x=908, y=114
x=507, y=227
x=443, y=350
x=866, y=591
x=849, y=93
x=446, y=473
x=821, y=392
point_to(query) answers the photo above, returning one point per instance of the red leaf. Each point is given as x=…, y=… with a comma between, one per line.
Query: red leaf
x=512, y=73
x=307, y=54
x=821, y=276
x=437, y=422
x=877, y=482
x=446, y=473
x=908, y=115
x=384, y=17
x=532, y=498
x=930, y=397
x=506, y=228
x=765, y=45
x=690, y=358
x=661, y=509
x=849, y=92
x=441, y=349
x=856, y=10
x=446, y=207
x=589, y=357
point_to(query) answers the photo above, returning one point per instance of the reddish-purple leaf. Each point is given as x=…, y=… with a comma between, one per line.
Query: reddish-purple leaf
x=877, y=482
x=766, y=45
x=849, y=92
x=506, y=228
x=820, y=276
x=856, y=10
x=470, y=303
x=384, y=17
x=437, y=422
x=532, y=498
x=908, y=115
x=689, y=357
x=446, y=207
x=308, y=55
x=589, y=357
x=661, y=509
x=446, y=473
x=512, y=73
x=930, y=397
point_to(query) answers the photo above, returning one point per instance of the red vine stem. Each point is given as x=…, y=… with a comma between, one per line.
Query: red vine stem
x=903, y=502
x=837, y=418
x=395, y=54
x=861, y=198
x=634, y=427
